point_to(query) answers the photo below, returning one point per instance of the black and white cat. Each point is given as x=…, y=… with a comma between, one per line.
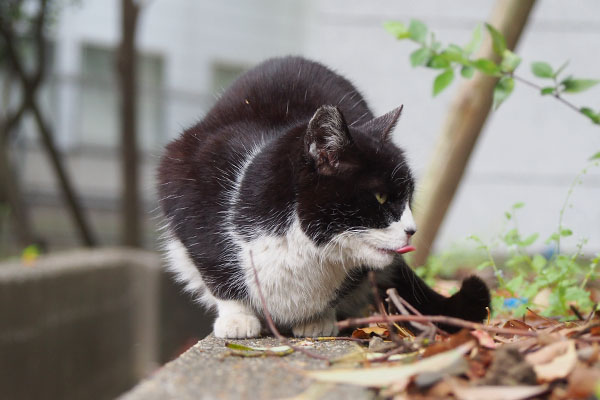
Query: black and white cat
x=291, y=168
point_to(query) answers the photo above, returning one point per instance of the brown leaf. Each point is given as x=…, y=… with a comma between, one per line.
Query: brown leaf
x=462, y=337
x=583, y=382
x=484, y=339
x=554, y=361
x=516, y=324
x=498, y=392
x=370, y=331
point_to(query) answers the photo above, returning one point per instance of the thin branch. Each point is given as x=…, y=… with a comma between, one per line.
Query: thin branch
x=395, y=338
x=399, y=302
x=271, y=324
x=434, y=318
x=555, y=95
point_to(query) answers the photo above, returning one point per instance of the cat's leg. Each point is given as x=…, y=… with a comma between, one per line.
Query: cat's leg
x=322, y=326
x=468, y=303
x=235, y=321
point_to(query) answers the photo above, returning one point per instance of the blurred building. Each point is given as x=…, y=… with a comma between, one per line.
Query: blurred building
x=530, y=151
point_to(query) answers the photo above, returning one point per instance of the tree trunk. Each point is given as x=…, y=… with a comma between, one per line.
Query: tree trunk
x=127, y=62
x=10, y=192
x=464, y=122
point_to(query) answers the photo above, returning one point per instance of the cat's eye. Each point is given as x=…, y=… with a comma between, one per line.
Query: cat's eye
x=381, y=197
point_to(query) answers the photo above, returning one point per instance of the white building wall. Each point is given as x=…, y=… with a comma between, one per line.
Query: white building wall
x=530, y=150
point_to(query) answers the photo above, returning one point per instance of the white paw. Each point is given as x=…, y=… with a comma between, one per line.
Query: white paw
x=237, y=326
x=321, y=327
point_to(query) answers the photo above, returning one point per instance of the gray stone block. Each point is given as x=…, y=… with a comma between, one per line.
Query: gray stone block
x=78, y=325
x=206, y=372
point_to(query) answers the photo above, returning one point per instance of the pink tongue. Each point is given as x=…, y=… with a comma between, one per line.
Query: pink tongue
x=405, y=249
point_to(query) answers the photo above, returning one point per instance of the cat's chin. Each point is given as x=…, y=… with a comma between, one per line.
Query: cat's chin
x=376, y=257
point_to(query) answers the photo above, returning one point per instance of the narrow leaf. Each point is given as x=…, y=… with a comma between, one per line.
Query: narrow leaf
x=542, y=69
x=595, y=156
x=467, y=72
x=578, y=85
x=384, y=376
x=420, y=56
x=442, y=81
x=510, y=61
x=502, y=90
x=486, y=66
x=438, y=62
x=396, y=28
x=475, y=42
x=498, y=42
x=595, y=117
x=547, y=90
x=418, y=31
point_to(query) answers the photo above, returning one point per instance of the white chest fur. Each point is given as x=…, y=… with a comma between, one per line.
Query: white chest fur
x=298, y=279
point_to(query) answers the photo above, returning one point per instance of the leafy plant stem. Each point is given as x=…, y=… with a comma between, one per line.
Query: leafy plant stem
x=556, y=95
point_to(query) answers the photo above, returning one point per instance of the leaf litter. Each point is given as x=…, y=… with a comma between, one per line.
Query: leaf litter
x=504, y=359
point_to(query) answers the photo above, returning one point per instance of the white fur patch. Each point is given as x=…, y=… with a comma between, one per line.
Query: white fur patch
x=235, y=321
x=324, y=326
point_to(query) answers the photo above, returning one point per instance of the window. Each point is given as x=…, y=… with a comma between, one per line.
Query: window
x=100, y=112
x=224, y=74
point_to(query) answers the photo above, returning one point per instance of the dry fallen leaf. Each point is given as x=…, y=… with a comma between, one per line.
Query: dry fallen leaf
x=484, y=339
x=582, y=382
x=498, y=392
x=368, y=332
x=236, y=349
x=386, y=375
x=554, y=361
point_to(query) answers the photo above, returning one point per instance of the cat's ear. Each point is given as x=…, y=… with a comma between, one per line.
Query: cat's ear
x=383, y=126
x=326, y=136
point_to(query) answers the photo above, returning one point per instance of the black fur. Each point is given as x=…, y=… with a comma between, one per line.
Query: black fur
x=326, y=172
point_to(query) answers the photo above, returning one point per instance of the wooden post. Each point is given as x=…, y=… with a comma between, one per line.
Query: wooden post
x=126, y=66
x=464, y=122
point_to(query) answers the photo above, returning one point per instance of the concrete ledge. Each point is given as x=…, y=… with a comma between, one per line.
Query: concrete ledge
x=204, y=372
x=80, y=324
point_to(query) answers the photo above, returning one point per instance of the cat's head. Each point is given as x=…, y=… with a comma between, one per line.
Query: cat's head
x=356, y=190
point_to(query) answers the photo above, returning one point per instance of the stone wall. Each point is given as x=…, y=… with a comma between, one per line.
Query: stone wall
x=78, y=325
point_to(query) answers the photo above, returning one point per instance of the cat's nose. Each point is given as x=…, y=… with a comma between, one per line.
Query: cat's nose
x=410, y=231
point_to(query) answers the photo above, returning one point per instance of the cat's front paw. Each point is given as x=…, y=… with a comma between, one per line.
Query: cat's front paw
x=237, y=326
x=320, y=327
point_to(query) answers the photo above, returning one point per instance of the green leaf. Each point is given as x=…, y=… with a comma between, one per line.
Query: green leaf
x=595, y=156
x=442, y=81
x=498, y=41
x=398, y=29
x=538, y=262
x=566, y=232
x=438, y=62
x=486, y=66
x=578, y=85
x=418, y=31
x=515, y=284
x=588, y=112
x=502, y=90
x=547, y=90
x=518, y=205
x=467, y=72
x=454, y=55
x=529, y=240
x=483, y=265
x=510, y=61
x=475, y=42
x=420, y=56
x=542, y=69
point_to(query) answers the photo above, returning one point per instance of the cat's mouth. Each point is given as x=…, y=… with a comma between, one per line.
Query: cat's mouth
x=401, y=250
